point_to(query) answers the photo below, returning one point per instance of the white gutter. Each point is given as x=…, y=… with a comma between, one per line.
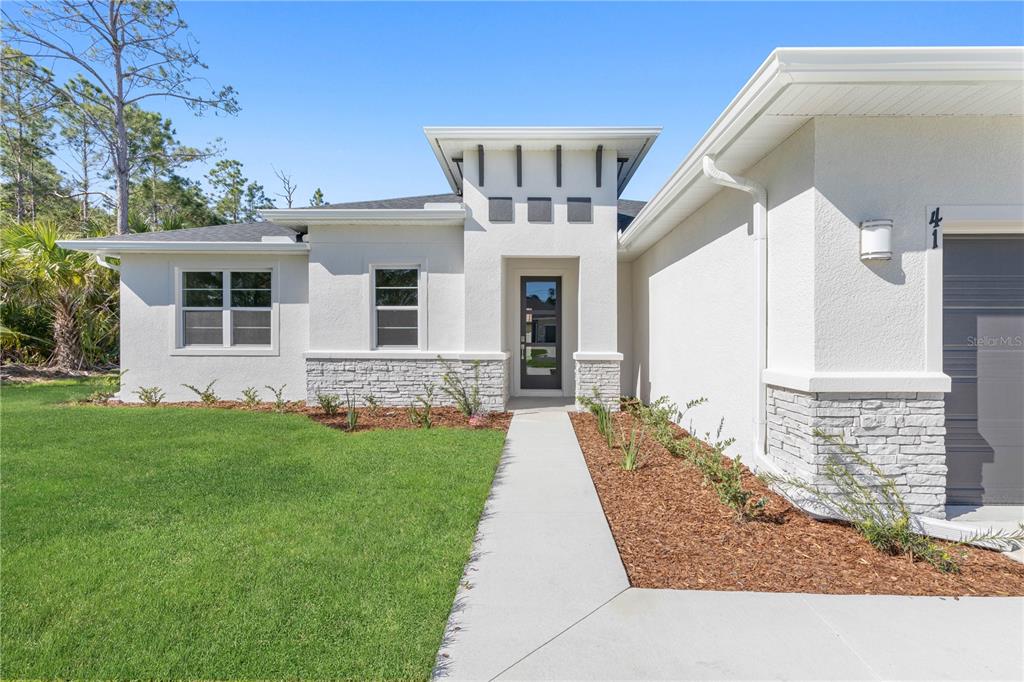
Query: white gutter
x=113, y=247
x=102, y=261
x=292, y=217
x=760, y=230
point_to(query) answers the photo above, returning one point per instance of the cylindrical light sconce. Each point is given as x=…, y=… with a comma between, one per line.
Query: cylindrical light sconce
x=876, y=240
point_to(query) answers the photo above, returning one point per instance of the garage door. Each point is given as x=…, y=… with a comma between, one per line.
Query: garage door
x=983, y=352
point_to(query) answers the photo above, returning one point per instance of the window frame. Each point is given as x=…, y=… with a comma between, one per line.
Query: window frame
x=178, y=346
x=420, y=307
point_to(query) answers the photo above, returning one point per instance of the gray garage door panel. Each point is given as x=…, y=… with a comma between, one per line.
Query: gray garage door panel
x=983, y=344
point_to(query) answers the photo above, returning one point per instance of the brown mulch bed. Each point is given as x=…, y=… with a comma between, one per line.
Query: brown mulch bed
x=673, y=532
x=27, y=374
x=369, y=418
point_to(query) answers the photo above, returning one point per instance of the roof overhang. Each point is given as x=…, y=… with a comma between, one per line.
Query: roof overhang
x=340, y=217
x=110, y=247
x=452, y=142
x=795, y=85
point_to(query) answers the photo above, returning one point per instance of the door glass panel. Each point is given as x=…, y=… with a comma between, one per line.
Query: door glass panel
x=540, y=334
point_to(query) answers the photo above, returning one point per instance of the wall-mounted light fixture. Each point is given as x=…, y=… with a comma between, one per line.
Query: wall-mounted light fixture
x=876, y=240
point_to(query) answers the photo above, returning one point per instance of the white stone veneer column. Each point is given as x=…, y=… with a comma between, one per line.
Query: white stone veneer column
x=602, y=375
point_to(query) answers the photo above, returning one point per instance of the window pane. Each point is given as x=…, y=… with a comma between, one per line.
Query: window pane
x=397, y=296
x=397, y=318
x=396, y=337
x=203, y=280
x=250, y=328
x=579, y=210
x=405, y=277
x=250, y=298
x=203, y=328
x=203, y=298
x=500, y=209
x=250, y=280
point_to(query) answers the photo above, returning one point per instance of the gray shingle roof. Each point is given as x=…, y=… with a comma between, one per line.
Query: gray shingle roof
x=627, y=207
x=401, y=202
x=240, y=232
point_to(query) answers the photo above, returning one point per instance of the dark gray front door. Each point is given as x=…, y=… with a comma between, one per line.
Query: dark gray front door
x=540, y=333
x=983, y=352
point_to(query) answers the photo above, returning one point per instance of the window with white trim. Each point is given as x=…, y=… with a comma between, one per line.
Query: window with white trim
x=396, y=304
x=226, y=308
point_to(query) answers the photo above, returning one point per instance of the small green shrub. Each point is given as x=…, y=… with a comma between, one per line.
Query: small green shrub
x=421, y=407
x=206, y=395
x=250, y=396
x=150, y=395
x=860, y=492
x=632, y=447
x=372, y=404
x=279, y=402
x=109, y=385
x=351, y=416
x=465, y=395
x=603, y=415
x=329, y=403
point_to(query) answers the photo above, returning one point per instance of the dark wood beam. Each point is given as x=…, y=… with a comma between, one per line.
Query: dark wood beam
x=480, y=163
x=600, y=153
x=519, y=165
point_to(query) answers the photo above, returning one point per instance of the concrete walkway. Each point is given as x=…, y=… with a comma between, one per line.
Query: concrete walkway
x=543, y=559
x=545, y=597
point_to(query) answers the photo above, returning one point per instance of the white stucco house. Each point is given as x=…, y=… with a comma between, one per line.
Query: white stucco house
x=843, y=249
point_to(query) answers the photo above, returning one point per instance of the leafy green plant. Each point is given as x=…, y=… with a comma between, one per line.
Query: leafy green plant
x=109, y=385
x=329, y=403
x=206, y=395
x=464, y=394
x=279, y=402
x=150, y=395
x=420, y=408
x=860, y=492
x=351, y=416
x=603, y=415
x=372, y=404
x=632, y=447
x=250, y=396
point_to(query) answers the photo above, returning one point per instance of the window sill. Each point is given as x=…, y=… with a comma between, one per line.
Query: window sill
x=266, y=351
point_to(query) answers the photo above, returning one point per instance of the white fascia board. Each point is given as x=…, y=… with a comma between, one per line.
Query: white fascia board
x=113, y=247
x=509, y=135
x=786, y=66
x=366, y=216
x=858, y=382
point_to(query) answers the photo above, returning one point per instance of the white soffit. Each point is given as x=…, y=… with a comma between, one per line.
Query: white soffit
x=450, y=142
x=796, y=84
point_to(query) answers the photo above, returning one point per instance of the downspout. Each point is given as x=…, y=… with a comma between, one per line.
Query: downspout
x=103, y=262
x=760, y=230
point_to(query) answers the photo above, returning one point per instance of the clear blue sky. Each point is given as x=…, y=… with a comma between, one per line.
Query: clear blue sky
x=337, y=93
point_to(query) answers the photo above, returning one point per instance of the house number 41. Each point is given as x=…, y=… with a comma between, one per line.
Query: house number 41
x=935, y=225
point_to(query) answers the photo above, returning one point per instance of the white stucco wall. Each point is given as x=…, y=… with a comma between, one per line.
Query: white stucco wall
x=496, y=254
x=693, y=306
x=627, y=377
x=148, y=319
x=340, y=288
x=488, y=244
x=877, y=316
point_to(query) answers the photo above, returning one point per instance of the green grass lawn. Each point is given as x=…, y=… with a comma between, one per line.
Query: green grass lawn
x=185, y=543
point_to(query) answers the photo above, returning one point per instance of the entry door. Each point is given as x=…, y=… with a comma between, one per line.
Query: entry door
x=540, y=333
x=983, y=352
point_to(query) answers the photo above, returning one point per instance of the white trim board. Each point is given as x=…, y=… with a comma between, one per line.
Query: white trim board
x=858, y=382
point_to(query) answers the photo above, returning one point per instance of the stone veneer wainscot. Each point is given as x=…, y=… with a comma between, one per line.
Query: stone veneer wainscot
x=398, y=381
x=602, y=375
x=904, y=434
